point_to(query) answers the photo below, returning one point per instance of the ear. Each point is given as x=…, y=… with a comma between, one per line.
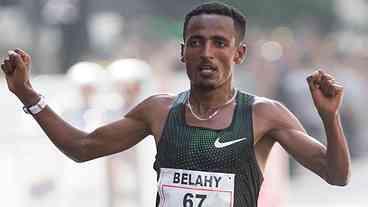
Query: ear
x=182, y=52
x=241, y=53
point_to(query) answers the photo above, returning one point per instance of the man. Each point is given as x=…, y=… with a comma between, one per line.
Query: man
x=212, y=141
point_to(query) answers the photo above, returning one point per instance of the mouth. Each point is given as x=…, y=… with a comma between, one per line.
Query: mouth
x=207, y=70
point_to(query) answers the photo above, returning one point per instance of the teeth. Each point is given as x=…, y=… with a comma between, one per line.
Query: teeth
x=206, y=72
x=206, y=68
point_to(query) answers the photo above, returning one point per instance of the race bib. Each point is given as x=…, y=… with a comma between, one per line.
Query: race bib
x=188, y=188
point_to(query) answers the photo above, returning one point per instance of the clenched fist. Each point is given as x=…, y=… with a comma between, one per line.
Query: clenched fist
x=326, y=92
x=16, y=67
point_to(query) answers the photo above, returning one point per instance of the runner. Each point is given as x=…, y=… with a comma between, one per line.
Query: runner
x=212, y=140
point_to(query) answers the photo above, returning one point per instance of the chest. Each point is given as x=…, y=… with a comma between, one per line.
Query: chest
x=203, y=149
x=221, y=120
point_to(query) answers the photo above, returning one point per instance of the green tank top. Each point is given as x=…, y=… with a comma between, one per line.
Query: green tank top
x=229, y=150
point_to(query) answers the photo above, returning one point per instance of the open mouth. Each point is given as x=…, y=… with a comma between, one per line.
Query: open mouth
x=207, y=70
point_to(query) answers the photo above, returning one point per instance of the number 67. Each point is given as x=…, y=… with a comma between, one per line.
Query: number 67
x=188, y=199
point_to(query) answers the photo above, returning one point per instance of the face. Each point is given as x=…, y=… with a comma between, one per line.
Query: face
x=210, y=51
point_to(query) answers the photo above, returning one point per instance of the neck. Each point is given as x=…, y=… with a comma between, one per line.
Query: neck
x=205, y=100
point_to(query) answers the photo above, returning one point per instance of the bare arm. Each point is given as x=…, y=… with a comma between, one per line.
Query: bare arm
x=327, y=96
x=111, y=138
x=76, y=144
x=331, y=162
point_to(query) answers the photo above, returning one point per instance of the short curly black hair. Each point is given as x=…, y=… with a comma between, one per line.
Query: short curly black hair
x=219, y=9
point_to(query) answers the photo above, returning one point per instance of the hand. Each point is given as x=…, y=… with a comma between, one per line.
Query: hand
x=327, y=94
x=16, y=67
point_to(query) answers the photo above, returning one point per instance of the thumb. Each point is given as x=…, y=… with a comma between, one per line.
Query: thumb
x=313, y=83
x=25, y=57
x=17, y=62
x=339, y=90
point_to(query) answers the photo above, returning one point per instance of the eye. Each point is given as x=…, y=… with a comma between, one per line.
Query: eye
x=219, y=43
x=193, y=43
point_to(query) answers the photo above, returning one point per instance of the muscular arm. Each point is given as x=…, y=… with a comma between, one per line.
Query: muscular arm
x=111, y=138
x=78, y=145
x=274, y=121
x=332, y=163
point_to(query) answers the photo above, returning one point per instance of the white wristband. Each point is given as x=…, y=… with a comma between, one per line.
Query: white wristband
x=35, y=109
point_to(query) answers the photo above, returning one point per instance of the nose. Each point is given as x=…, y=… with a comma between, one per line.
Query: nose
x=207, y=51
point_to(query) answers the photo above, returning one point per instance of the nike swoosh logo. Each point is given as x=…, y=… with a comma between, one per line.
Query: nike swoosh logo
x=219, y=144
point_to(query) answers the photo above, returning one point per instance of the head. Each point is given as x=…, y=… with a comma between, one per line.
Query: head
x=213, y=36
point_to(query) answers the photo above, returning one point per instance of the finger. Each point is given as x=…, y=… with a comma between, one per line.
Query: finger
x=335, y=89
x=325, y=75
x=322, y=72
x=339, y=89
x=331, y=92
x=16, y=60
x=11, y=54
x=314, y=80
x=312, y=77
x=327, y=87
x=328, y=82
x=3, y=68
x=313, y=85
x=328, y=77
x=8, y=69
x=26, y=58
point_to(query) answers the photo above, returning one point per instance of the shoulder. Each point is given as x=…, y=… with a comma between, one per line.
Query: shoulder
x=263, y=105
x=157, y=102
x=153, y=111
x=153, y=107
x=272, y=114
x=160, y=100
x=271, y=111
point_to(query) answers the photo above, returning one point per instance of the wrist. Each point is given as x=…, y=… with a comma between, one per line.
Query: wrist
x=36, y=108
x=29, y=97
x=330, y=117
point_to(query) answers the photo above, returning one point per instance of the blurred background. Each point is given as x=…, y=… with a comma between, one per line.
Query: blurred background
x=94, y=60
